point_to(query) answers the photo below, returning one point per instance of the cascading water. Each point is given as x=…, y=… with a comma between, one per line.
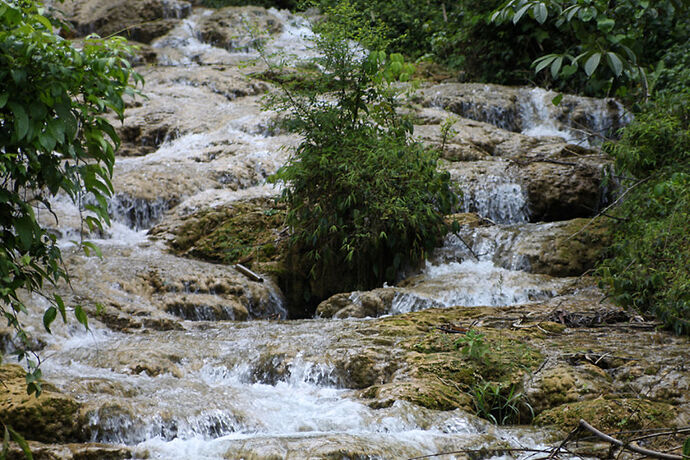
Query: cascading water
x=168, y=374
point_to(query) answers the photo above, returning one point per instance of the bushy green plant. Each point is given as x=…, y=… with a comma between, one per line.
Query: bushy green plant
x=648, y=268
x=53, y=138
x=364, y=200
x=500, y=404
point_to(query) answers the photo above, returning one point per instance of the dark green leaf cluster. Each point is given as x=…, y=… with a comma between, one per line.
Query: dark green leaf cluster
x=364, y=201
x=53, y=138
x=648, y=268
x=612, y=43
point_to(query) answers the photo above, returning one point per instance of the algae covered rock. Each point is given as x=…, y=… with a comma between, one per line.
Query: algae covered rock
x=609, y=415
x=230, y=27
x=561, y=384
x=140, y=20
x=567, y=248
x=85, y=451
x=50, y=417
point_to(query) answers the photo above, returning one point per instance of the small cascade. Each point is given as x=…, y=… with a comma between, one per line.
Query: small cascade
x=495, y=197
x=470, y=284
x=577, y=120
x=136, y=213
x=160, y=394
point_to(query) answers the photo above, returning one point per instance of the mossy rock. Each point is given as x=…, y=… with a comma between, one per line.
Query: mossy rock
x=50, y=417
x=428, y=393
x=247, y=232
x=610, y=415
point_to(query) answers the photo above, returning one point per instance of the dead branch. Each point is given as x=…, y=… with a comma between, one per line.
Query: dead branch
x=630, y=446
x=497, y=451
x=248, y=273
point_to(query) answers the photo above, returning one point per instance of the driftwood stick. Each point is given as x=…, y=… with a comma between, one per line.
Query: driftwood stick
x=248, y=273
x=555, y=451
x=630, y=446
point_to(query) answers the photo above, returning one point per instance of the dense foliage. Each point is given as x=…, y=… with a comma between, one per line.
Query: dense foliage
x=649, y=264
x=53, y=139
x=363, y=199
x=611, y=41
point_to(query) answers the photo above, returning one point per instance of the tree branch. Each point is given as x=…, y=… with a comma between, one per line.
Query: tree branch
x=630, y=446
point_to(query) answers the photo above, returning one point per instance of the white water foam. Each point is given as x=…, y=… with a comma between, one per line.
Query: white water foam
x=495, y=197
x=472, y=283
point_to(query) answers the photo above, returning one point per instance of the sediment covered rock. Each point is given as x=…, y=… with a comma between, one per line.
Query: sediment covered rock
x=50, y=417
x=139, y=20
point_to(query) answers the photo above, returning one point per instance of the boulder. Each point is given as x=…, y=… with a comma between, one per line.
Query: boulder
x=50, y=417
x=231, y=27
x=72, y=451
x=568, y=248
x=139, y=20
x=610, y=414
x=560, y=383
x=525, y=109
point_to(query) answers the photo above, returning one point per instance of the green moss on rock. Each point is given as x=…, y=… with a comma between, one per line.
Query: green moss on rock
x=51, y=417
x=610, y=415
x=247, y=232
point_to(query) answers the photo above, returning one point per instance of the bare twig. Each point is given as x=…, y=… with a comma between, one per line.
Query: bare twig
x=555, y=451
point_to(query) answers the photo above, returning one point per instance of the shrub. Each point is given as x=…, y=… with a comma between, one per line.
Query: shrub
x=648, y=268
x=363, y=200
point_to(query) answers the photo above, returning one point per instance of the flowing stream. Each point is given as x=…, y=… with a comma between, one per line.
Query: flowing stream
x=193, y=383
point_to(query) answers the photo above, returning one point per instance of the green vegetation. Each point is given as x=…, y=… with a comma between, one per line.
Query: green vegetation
x=363, y=200
x=492, y=42
x=290, y=4
x=472, y=345
x=649, y=264
x=500, y=404
x=612, y=43
x=54, y=140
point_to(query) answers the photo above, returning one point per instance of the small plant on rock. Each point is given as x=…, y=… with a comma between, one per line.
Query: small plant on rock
x=472, y=345
x=498, y=403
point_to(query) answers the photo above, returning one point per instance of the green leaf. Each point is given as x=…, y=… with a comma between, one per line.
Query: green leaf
x=557, y=100
x=24, y=226
x=48, y=317
x=605, y=24
x=5, y=444
x=19, y=439
x=61, y=307
x=615, y=63
x=686, y=448
x=568, y=70
x=544, y=62
x=43, y=20
x=592, y=63
x=21, y=120
x=540, y=13
x=80, y=314
x=3, y=99
x=520, y=13
x=556, y=66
